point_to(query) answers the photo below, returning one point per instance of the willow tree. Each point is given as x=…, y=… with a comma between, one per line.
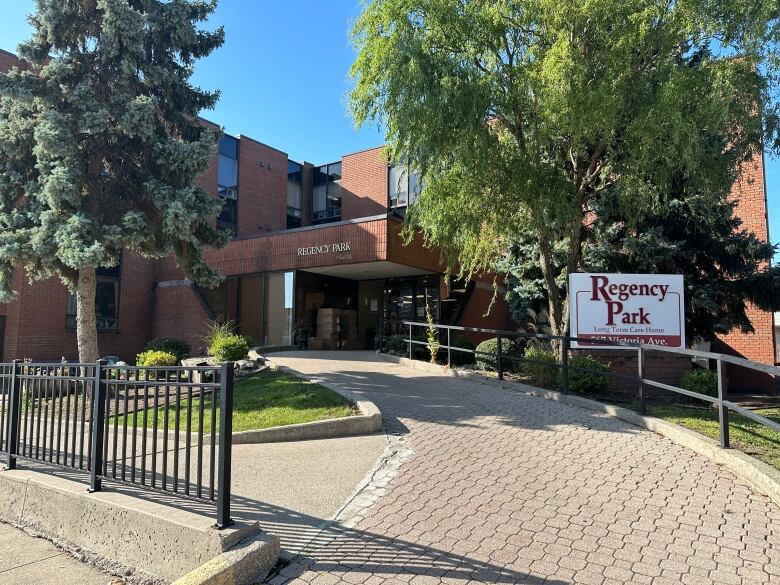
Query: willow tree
x=100, y=145
x=518, y=113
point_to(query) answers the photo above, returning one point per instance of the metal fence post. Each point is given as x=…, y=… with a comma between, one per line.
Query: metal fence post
x=410, y=340
x=225, y=445
x=499, y=365
x=14, y=416
x=640, y=365
x=98, y=428
x=449, y=348
x=723, y=411
x=565, y=366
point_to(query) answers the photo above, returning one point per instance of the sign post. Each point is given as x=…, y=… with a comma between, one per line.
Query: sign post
x=627, y=308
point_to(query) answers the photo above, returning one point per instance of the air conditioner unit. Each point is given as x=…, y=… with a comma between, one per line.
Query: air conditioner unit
x=228, y=193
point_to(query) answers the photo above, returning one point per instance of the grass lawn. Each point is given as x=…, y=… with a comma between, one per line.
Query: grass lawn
x=268, y=399
x=747, y=436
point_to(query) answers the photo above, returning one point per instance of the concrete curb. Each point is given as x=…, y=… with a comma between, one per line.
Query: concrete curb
x=116, y=530
x=246, y=563
x=369, y=420
x=757, y=474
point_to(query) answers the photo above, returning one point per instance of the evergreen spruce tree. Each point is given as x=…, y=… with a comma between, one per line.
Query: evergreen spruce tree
x=693, y=234
x=100, y=145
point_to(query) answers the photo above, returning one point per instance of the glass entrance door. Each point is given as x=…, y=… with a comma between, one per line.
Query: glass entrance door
x=279, y=308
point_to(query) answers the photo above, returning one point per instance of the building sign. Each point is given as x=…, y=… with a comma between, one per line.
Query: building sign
x=627, y=308
x=336, y=248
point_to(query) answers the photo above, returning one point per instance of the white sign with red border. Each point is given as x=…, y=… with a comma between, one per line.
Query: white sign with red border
x=627, y=308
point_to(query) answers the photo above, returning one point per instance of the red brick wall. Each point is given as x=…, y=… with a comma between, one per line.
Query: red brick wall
x=368, y=241
x=8, y=60
x=474, y=313
x=750, y=194
x=413, y=254
x=208, y=180
x=35, y=324
x=364, y=177
x=262, y=189
x=179, y=313
x=659, y=367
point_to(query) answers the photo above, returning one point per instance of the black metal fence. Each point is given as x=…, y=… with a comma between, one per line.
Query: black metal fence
x=158, y=428
x=643, y=383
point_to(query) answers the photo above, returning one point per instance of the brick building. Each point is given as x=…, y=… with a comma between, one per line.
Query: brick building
x=308, y=241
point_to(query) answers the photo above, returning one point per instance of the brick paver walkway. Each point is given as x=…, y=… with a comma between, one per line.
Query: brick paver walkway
x=507, y=488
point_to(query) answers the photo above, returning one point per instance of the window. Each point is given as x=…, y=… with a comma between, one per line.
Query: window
x=294, y=211
x=227, y=183
x=222, y=300
x=404, y=187
x=106, y=301
x=326, y=194
x=279, y=292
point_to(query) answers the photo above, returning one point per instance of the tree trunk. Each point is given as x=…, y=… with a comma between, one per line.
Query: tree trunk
x=86, y=323
x=558, y=301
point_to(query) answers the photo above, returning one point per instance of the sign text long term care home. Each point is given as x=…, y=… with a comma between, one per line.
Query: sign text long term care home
x=627, y=308
x=335, y=248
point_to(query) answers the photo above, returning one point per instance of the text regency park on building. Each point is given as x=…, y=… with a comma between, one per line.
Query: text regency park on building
x=317, y=261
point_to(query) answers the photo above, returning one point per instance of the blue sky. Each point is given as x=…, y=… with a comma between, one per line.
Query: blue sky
x=284, y=74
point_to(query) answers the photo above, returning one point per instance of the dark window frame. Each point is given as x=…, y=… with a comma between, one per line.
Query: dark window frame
x=225, y=192
x=411, y=197
x=109, y=324
x=295, y=214
x=332, y=173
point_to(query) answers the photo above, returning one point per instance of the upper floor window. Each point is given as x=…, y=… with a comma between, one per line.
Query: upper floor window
x=404, y=186
x=294, y=203
x=227, y=182
x=326, y=194
x=106, y=300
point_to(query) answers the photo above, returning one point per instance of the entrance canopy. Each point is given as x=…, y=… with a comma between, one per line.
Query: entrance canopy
x=368, y=270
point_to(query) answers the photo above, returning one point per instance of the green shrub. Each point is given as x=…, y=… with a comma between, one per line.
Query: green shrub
x=701, y=381
x=397, y=344
x=541, y=374
x=154, y=357
x=489, y=363
x=216, y=330
x=173, y=345
x=461, y=358
x=432, y=335
x=586, y=382
x=229, y=348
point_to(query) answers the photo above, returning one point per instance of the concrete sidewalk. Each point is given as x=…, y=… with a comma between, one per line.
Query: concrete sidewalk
x=291, y=489
x=27, y=559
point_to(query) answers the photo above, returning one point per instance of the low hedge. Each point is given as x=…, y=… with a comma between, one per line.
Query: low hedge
x=229, y=348
x=462, y=358
x=173, y=345
x=155, y=358
x=397, y=344
x=701, y=381
x=541, y=374
x=489, y=363
x=586, y=382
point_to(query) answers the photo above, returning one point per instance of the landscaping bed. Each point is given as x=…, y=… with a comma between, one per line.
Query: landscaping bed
x=268, y=399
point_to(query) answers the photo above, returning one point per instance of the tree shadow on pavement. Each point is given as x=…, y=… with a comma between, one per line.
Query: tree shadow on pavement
x=446, y=400
x=316, y=544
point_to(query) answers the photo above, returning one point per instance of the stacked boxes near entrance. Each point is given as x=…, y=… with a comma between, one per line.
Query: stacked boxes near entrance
x=336, y=329
x=316, y=261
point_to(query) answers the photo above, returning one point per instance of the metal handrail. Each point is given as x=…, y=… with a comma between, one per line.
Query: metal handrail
x=724, y=406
